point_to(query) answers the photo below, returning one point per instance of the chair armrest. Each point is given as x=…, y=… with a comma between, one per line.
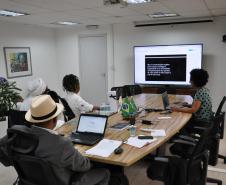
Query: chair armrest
x=181, y=141
x=187, y=138
x=199, y=128
x=162, y=159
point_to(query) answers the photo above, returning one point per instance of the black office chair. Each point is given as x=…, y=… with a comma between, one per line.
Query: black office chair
x=31, y=170
x=212, y=143
x=16, y=117
x=187, y=170
x=126, y=90
x=68, y=113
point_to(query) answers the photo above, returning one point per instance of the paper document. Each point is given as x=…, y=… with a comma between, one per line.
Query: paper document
x=164, y=117
x=104, y=148
x=158, y=133
x=139, y=143
x=59, y=124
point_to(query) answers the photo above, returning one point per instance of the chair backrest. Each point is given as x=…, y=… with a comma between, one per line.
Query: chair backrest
x=133, y=89
x=127, y=90
x=16, y=117
x=219, y=109
x=198, y=161
x=203, y=140
x=31, y=169
x=68, y=113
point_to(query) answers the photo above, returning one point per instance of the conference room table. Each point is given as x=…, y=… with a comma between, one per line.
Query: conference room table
x=171, y=123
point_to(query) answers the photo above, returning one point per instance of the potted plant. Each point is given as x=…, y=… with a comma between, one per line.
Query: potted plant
x=9, y=96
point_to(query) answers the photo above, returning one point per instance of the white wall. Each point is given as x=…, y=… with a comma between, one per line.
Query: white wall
x=124, y=36
x=67, y=47
x=43, y=52
x=210, y=34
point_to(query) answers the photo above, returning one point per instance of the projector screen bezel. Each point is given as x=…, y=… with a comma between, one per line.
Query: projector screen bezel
x=168, y=85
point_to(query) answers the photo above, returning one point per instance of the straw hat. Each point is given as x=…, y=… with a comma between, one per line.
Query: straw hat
x=43, y=109
x=36, y=87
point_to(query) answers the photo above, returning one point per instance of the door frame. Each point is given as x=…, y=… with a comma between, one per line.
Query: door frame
x=79, y=56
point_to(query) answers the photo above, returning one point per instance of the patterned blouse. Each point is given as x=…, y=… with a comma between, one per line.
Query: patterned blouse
x=205, y=111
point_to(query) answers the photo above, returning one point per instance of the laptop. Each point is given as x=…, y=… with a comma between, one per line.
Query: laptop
x=165, y=101
x=90, y=129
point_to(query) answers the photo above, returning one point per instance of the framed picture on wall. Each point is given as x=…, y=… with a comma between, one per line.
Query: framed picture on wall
x=18, y=61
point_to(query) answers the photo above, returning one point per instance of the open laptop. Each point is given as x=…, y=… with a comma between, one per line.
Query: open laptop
x=165, y=101
x=90, y=129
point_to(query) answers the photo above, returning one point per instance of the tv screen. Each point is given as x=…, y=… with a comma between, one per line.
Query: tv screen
x=166, y=64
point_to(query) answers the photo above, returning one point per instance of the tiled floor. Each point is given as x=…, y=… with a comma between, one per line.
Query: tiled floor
x=135, y=173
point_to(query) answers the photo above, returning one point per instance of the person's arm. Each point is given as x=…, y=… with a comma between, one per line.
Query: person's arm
x=73, y=160
x=195, y=107
x=96, y=108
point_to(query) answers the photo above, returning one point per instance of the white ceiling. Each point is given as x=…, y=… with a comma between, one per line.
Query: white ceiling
x=45, y=12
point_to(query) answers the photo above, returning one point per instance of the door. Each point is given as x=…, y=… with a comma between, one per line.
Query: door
x=93, y=67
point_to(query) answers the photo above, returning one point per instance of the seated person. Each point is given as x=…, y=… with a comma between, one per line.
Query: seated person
x=67, y=163
x=202, y=104
x=35, y=88
x=77, y=103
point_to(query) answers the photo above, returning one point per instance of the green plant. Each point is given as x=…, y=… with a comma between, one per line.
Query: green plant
x=9, y=96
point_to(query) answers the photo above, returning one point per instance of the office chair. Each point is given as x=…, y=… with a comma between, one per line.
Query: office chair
x=212, y=143
x=187, y=170
x=16, y=117
x=126, y=90
x=31, y=170
x=68, y=113
x=133, y=89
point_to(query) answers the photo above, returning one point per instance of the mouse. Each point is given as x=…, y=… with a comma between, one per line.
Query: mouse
x=118, y=150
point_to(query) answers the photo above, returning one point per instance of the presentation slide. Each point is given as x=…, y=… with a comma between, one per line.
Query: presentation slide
x=165, y=65
x=92, y=124
x=165, y=68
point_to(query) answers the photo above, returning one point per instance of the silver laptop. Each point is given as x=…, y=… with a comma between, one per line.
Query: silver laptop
x=90, y=130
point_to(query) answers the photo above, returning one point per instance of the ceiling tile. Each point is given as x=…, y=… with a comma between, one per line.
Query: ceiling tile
x=117, y=10
x=214, y=4
x=20, y=7
x=184, y=5
x=59, y=5
x=89, y=13
x=219, y=11
x=87, y=3
x=149, y=8
x=195, y=14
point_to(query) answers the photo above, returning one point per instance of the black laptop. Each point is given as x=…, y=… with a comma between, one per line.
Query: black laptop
x=90, y=130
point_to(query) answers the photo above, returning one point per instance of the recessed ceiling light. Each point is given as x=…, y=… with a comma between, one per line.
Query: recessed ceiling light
x=9, y=13
x=138, y=1
x=161, y=15
x=68, y=23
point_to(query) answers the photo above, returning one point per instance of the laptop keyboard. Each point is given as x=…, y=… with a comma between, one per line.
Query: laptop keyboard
x=84, y=136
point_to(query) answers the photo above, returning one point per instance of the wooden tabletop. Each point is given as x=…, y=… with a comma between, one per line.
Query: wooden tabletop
x=130, y=154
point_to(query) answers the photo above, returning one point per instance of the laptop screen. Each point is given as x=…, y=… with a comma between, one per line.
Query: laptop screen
x=92, y=123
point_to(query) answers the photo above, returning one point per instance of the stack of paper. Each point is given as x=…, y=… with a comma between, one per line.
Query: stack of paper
x=158, y=133
x=155, y=132
x=104, y=148
x=139, y=143
x=59, y=124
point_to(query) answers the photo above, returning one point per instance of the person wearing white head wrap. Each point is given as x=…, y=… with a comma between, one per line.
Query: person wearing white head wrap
x=35, y=87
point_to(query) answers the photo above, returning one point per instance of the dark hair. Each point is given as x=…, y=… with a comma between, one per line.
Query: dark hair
x=199, y=77
x=70, y=83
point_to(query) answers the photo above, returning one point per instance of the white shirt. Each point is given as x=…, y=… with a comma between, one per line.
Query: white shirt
x=25, y=105
x=77, y=104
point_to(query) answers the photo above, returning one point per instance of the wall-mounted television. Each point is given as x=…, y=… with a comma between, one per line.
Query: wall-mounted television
x=166, y=64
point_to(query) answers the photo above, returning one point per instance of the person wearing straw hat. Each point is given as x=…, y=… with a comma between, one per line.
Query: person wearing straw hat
x=67, y=163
